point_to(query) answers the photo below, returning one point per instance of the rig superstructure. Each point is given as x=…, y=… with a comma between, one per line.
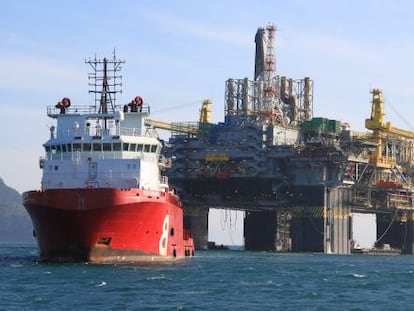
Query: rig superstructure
x=298, y=177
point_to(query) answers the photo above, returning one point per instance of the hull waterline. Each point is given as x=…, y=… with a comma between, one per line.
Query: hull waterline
x=108, y=225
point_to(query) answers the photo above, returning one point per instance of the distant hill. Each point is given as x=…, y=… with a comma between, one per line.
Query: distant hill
x=15, y=223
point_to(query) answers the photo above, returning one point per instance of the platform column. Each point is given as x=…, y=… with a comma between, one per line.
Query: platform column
x=283, y=242
x=391, y=229
x=337, y=220
x=408, y=235
x=196, y=220
x=260, y=230
x=307, y=229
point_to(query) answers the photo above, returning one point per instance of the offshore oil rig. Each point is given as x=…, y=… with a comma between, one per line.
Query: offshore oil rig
x=299, y=178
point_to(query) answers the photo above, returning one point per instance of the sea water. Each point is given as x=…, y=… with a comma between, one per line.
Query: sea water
x=212, y=280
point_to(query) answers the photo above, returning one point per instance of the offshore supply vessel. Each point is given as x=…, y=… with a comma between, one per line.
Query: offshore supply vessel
x=103, y=197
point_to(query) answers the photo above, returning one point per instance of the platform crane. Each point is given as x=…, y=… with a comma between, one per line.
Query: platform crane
x=383, y=183
x=380, y=156
x=186, y=128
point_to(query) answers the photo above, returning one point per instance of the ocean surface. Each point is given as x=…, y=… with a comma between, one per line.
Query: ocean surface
x=213, y=280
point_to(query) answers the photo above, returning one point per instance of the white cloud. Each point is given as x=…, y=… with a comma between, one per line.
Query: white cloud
x=172, y=23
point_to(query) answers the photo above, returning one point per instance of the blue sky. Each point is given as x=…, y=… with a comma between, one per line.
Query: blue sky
x=179, y=52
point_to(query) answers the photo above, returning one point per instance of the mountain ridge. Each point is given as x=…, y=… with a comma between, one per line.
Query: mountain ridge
x=15, y=223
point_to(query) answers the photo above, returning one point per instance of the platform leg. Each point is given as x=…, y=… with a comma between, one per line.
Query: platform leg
x=196, y=220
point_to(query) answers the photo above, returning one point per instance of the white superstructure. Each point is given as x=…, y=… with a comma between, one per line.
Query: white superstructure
x=83, y=152
x=104, y=145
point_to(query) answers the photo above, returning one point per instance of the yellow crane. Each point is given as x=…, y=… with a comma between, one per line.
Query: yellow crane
x=380, y=157
x=185, y=127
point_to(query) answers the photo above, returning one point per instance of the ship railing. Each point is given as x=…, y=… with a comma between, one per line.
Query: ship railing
x=96, y=132
x=52, y=111
x=78, y=155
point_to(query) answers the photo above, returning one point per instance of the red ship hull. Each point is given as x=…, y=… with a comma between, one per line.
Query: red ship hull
x=108, y=225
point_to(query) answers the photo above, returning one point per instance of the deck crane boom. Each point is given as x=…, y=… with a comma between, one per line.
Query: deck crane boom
x=187, y=128
x=380, y=129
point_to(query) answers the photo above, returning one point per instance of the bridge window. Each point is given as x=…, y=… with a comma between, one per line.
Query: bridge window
x=48, y=153
x=76, y=147
x=132, y=147
x=125, y=146
x=97, y=147
x=69, y=147
x=63, y=148
x=154, y=148
x=87, y=147
x=140, y=147
x=107, y=147
x=147, y=148
x=117, y=147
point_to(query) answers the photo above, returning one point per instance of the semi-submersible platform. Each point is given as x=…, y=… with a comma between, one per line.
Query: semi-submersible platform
x=299, y=178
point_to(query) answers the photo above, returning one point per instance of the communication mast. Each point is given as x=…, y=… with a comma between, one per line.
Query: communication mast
x=105, y=82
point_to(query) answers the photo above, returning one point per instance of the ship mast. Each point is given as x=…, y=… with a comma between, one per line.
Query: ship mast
x=105, y=82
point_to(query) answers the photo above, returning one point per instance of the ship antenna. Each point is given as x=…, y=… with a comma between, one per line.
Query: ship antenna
x=105, y=82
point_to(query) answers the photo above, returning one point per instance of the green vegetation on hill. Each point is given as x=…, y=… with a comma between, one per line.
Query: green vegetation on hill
x=15, y=223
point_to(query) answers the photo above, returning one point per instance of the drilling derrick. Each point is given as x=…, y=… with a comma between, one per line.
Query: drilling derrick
x=269, y=98
x=270, y=106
